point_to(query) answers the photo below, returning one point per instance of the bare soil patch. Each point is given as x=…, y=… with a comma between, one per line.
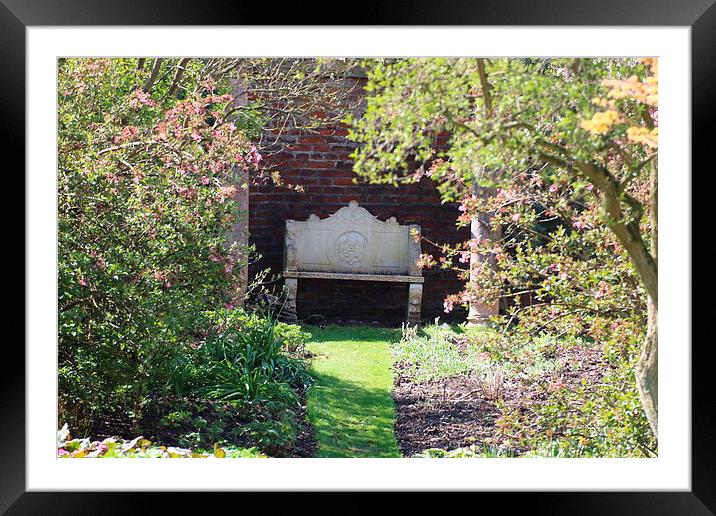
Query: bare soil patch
x=455, y=413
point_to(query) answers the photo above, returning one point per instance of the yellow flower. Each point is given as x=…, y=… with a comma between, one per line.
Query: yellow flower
x=648, y=137
x=601, y=122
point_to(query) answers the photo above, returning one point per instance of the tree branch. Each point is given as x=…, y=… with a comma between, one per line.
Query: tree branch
x=627, y=229
x=486, y=95
x=153, y=75
x=181, y=68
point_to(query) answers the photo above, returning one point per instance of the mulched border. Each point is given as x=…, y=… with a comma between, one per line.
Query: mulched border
x=455, y=413
x=306, y=445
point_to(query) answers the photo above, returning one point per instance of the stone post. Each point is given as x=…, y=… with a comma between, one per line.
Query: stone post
x=480, y=313
x=290, y=287
x=415, y=298
x=415, y=290
x=240, y=232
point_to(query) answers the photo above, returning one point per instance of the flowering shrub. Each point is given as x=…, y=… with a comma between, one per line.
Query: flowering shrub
x=146, y=188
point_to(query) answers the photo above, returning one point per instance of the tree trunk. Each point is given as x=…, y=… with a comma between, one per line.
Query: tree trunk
x=647, y=369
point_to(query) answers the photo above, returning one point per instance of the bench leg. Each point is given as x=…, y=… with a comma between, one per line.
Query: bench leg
x=290, y=288
x=415, y=298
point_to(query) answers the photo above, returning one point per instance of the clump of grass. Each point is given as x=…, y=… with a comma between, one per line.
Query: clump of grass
x=469, y=452
x=429, y=354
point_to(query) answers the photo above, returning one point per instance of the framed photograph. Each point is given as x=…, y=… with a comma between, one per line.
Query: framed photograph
x=416, y=252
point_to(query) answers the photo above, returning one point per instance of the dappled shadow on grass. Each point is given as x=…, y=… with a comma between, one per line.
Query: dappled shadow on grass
x=351, y=420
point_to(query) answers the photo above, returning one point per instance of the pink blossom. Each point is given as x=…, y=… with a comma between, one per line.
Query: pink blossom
x=141, y=97
x=464, y=217
x=227, y=191
x=481, y=357
x=204, y=180
x=128, y=132
x=100, y=263
x=82, y=281
x=254, y=156
x=555, y=385
x=553, y=188
x=516, y=217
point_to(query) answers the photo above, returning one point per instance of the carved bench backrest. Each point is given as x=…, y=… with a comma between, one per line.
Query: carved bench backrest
x=352, y=241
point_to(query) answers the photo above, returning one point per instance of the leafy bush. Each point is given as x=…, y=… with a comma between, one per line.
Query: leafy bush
x=566, y=194
x=242, y=358
x=146, y=190
x=590, y=418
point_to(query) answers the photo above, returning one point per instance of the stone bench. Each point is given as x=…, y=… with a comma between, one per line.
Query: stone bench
x=352, y=244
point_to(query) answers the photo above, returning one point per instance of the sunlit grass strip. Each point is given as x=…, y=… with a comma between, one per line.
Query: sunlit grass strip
x=350, y=406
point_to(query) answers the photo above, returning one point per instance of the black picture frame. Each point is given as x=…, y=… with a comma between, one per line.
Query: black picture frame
x=700, y=15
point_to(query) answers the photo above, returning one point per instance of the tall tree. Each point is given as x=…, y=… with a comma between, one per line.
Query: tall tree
x=590, y=125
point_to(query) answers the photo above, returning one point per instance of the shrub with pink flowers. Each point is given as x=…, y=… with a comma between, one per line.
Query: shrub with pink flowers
x=147, y=181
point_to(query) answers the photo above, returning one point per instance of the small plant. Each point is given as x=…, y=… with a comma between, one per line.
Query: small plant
x=429, y=354
x=175, y=419
x=470, y=452
x=139, y=447
x=492, y=384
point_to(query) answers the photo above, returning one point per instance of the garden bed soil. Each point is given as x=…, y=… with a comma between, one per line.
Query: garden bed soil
x=454, y=413
x=305, y=445
x=441, y=414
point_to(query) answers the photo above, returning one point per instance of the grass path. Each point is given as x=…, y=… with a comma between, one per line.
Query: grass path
x=350, y=405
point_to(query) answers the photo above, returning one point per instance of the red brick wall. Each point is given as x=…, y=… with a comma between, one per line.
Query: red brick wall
x=321, y=164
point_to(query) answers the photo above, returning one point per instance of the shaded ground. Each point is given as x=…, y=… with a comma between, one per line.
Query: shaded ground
x=306, y=444
x=455, y=412
x=169, y=420
x=350, y=406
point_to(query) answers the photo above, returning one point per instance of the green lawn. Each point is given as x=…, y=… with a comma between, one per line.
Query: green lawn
x=350, y=405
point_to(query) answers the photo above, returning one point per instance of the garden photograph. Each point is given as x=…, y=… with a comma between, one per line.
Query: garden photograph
x=394, y=257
